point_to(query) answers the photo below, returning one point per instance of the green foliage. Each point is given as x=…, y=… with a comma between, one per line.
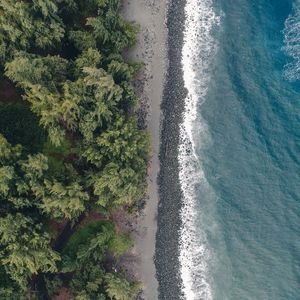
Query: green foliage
x=62, y=150
x=116, y=186
x=87, y=247
x=107, y=31
x=62, y=201
x=65, y=57
x=25, y=248
x=119, y=244
x=9, y=290
x=85, y=104
x=34, y=167
x=88, y=283
x=29, y=70
x=28, y=25
x=6, y=176
x=19, y=178
x=90, y=58
x=120, y=71
x=79, y=241
x=27, y=183
x=122, y=143
x=57, y=159
x=9, y=293
x=8, y=152
x=20, y=126
x=119, y=288
x=83, y=40
x=53, y=284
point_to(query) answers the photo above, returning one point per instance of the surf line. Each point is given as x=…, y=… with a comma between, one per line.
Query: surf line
x=199, y=47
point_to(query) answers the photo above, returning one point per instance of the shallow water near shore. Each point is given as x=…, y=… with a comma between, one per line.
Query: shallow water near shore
x=239, y=150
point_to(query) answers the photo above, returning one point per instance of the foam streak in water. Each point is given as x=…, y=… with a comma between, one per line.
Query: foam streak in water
x=198, y=49
x=292, y=43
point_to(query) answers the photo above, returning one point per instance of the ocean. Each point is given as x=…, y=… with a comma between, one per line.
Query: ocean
x=239, y=152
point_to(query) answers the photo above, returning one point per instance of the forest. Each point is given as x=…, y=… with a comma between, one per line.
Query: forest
x=71, y=152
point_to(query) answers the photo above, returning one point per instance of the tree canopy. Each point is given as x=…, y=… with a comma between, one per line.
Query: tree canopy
x=64, y=57
x=25, y=248
x=28, y=26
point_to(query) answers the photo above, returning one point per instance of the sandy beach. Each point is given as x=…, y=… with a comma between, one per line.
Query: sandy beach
x=150, y=50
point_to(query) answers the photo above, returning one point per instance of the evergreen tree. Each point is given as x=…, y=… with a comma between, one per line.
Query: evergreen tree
x=65, y=56
x=107, y=31
x=25, y=248
x=27, y=26
x=8, y=153
x=116, y=186
x=62, y=201
x=122, y=143
x=30, y=71
x=119, y=288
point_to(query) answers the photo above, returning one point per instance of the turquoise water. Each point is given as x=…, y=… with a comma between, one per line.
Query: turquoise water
x=247, y=142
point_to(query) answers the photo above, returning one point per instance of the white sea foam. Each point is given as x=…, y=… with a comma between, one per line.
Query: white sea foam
x=292, y=43
x=198, y=50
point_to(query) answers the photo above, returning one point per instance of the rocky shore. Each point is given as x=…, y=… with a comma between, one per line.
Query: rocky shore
x=169, y=222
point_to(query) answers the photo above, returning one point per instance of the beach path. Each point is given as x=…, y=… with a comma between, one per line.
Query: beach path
x=150, y=50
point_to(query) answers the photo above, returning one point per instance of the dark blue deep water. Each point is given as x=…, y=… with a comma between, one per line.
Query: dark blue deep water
x=251, y=157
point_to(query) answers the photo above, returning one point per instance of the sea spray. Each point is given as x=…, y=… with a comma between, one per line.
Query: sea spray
x=292, y=43
x=198, y=50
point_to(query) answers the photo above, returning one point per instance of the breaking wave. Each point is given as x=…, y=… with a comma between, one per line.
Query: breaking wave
x=292, y=43
x=198, y=50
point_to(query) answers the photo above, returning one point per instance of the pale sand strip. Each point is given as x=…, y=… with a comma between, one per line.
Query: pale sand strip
x=151, y=50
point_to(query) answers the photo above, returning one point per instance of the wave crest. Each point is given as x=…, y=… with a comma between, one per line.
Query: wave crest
x=198, y=50
x=292, y=43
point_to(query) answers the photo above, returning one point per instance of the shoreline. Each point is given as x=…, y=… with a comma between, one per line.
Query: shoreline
x=151, y=49
x=169, y=221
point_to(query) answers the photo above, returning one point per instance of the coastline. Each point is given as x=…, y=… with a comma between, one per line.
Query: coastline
x=151, y=49
x=169, y=221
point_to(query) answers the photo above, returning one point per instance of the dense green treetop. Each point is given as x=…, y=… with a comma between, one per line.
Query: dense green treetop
x=65, y=59
x=25, y=248
x=28, y=25
x=28, y=183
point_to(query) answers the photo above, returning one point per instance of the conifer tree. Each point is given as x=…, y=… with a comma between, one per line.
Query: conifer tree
x=116, y=186
x=119, y=288
x=62, y=201
x=28, y=25
x=66, y=58
x=25, y=248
